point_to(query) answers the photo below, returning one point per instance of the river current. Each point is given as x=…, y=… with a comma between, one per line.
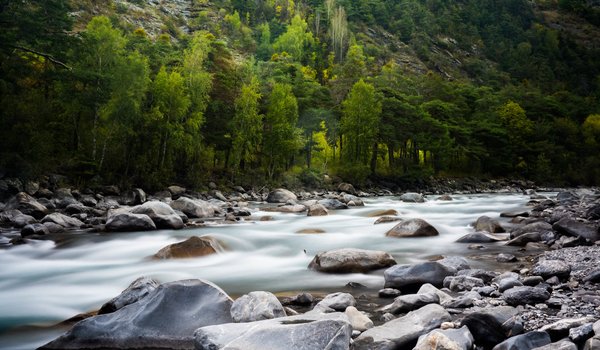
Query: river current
x=45, y=282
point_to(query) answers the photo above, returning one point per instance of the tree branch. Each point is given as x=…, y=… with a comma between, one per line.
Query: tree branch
x=46, y=56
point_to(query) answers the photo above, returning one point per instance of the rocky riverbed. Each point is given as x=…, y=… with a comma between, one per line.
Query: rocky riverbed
x=546, y=297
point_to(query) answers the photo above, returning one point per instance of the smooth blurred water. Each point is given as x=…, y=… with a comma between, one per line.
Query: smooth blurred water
x=45, y=283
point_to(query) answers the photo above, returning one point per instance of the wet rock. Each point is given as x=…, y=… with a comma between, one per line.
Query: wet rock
x=256, y=306
x=505, y=258
x=15, y=218
x=310, y=231
x=26, y=205
x=525, y=295
x=88, y=201
x=288, y=208
x=349, y=199
x=479, y=237
x=336, y=301
x=161, y=214
x=403, y=332
x=332, y=204
x=302, y=332
x=582, y=333
x=410, y=302
x=193, y=208
x=317, y=210
x=525, y=341
x=485, y=223
x=448, y=339
x=538, y=226
x=575, y=228
x=190, y=248
x=358, y=320
x=491, y=326
x=281, y=195
x=62, y=220
x=413, y=276
x=137, y=290
x=165, y=319
x=508, y=283
x=412, y=197
x=302, y=299
x=129, y=222
x=560, y=345
x=463, y=283
x=34, y=230
x=389, y=293
x=549, y=268
x=513, y=214
x=525, y=238
x=386, y=219
x=348, y=260
x=384, y=212
x=412, y=228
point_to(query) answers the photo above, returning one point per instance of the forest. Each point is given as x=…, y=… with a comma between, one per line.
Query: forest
x=288, y=91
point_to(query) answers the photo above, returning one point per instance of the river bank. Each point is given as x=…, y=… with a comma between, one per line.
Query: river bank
x=367, y=298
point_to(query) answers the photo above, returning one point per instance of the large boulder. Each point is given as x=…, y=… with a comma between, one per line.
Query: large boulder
x=403, y=332
x=256, y=306
x=137, y=290
x=190, y=248
x=448, y=339
x=491, y=326
x=332, y=204
x=317, y=210
x=15, y=218
x=129, y=222
x=413, y=228
x=165, y=319
x=34, y=230
x=479, y=237
x=412, y=197
x=525, y=295
x=485, y=223
x=350, y=260
x=538, y=226
x=527, y=341
x=194, y=208
x=302, y=332
x=336, y=301
x=407, y=277
x=522, y=240
x=410, y=302
x=549, y=268
x=161, y=214
x=575, y=228
x=281, y=195
x=27, y=205
x=346, y=187
x=62, y=220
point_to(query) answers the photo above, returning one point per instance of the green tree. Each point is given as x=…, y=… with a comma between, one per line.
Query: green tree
x=360, y=121
x=247, y=125
x=295, y=39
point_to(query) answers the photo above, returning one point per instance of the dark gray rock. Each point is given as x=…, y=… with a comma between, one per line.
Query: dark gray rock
x=129, y=222
x=508, y=283
x=161, y=214
x=479, y=237
x=389, y=293
x=302, y=299
x=538, y=226
x=491, y=326
x=485, y=275
x=560, y=329
x=559, y=345
x=88, y=201
x=525, y=341
x=54, y=228
x=346, y=187
x=514, y=214
x=505, y=258
x=403, y=332
x=410, y=302
x=582, y=333
x=332, y=204
x=456, y=262
x=549, y=268
x=281, y=195
x=412, y=197
x=348, y=260
x=448, y=339
x=575, y=228
x=485, y=223
x=26, y=205
x=406, y=277
x=301, y=332
x=525, y=238
x=533, y=280
x=413, y=228
x=593, y=213
x=137, y=290
x=463, y=301
x=256, y=306
x=34, y=230
x=165, y=319
x=463, y=283
x=593, y=276
x=525, y=295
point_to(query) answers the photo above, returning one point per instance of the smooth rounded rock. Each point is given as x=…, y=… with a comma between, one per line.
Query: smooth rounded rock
x=412, y=197
x=413, y=228
x=413, y=276
x=256, y=306
x=137, y=290
x=190, y=248
x=410, y=302
x=129, y=222
x=358, y=320
x=525, y=341
x=485, y=223
x=349, y=260
x=448, y=339
x=317, y=210
x=337, y=301
x=525, y=295
x=193, y=208
x=281, y=195
x=162, y=214
x=479, y=237
x=491, y=326
x=550, y=268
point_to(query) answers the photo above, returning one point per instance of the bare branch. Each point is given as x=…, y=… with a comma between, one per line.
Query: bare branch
x=45, y=55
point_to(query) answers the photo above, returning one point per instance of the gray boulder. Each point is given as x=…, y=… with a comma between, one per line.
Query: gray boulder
x=413, y=228
x=525, y=295
x=190, y=248
x=485, y=223
x=463, y=283
x=34, y=229
x=62, y=220
x=349, y=260
x=525, y=238
x=527, y=341
x=336, y=301
x=410, y=302
x=281, y=195
x=456, y=262
x=333, y=204
x=479, y=237
x=582, y=333
x=538, y=226
x=317, y=210
x=429, y=288
x=491, y=326
x=448, y=339
x=15, y=218
x=485, y=275
x=403, y=332
x=575, y=228
x=161, y=214
x=194, y=208
x=405, y=277
x=137, y=290
x=549, y=268
x=412, y=197
x=129, y=222
x=165, y=319
x=256, y=306
x=346, y=187
x=302, y=332
x=358, y=320
x=26, y=205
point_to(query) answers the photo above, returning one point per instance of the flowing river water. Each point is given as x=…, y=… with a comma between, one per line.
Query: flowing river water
x=45, y=282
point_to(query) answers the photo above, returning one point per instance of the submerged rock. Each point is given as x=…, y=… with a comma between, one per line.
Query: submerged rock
x=190, y=248
x=412, y=197
x=485, y=223
x=479, y=237
x=317, y=210
x=350, y=260
x=413, y=228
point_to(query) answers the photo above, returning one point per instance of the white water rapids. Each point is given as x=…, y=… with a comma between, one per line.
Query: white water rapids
x=42, y=283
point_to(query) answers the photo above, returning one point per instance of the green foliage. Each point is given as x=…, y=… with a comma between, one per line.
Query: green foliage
x=295, y=39
x=247, y=125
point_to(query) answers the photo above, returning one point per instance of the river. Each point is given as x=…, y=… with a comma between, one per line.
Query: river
x=45, y=282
